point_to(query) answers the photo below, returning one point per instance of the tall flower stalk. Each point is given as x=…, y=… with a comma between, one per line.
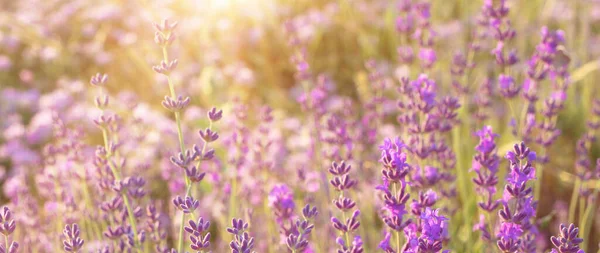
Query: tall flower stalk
x=485, y=164
x=164, y=37
x=517, y=230
x=342, y=182
x=107, y=154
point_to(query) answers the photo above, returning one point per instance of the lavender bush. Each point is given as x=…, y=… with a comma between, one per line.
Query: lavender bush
x=405, y=126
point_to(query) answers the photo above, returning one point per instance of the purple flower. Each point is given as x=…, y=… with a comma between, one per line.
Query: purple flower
x=187, y=205
x=427, y=57
x=508, y=87
x=199, y=242
x=7, y=223
x=242, y=242
x=175, y=105
x=73, y=242
x=485, y=164
x=518, y=206
x=214, y=115
x=342, y=183
x=281, y=200
x=297, y=241
x=567, y=241
x=99, y=79
x=435, y=226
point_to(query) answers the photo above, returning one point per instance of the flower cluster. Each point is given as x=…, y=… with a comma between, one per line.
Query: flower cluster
x=567, y=241
x=517, y=232
x=342, y=183
x=242, y=242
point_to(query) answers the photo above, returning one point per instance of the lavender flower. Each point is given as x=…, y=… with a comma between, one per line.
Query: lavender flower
x=342, y=182
x=394, y=173
x=7, y=227
x=7, y=223
x=518, y=205
x=242, y=242
x=298, y=240
x=567, y=241
x=434, y=229
x=485, y=164
x=187, y=204
x=199, y=235
x=73, y=242
x=99, y=79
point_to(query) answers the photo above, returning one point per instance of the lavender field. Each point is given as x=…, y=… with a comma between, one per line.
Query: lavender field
x=302, y=126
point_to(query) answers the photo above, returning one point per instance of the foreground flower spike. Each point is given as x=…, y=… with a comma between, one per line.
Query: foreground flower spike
x=164, y=37
x=485, y=164
x=7, y=227
x=7, y=223
x=434, y=229
x=342, y=182
x=199, y=241
x=281, y=201
x=187, y=204
x=297, y=241
x=395, y=195
x=567, y=240
x=73, y=242
x=517, y=230
x=14, y=246
x=242, y=242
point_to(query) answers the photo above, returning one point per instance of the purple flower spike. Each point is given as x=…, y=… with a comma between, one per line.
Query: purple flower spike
x=194, y=174
x=73, y=242
x=14, y=246
x=7, y=223
x=165, y=26
x=508, y=86
x=434, y=231
x=567, y=241
x=99, y=79
x=242, y=242
x=485, y=164
x=297, y=240
x=517, y=230
x=175, y=105
x=311, y=213
x=208, y=135
x=341, y=182
x=238, y=226
x=214, y=115
x=165, y=68
x=197, y=229
x=186, y=205
x=164, y=35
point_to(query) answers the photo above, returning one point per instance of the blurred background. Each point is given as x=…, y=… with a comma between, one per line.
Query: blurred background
x=240, y=49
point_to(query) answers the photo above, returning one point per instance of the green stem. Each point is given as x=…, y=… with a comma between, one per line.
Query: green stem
x=538, y=189
x=586, y=222
x=117, y=175
x=346, y=234
x=573, y=203
x=397, y=233
x=181, y=146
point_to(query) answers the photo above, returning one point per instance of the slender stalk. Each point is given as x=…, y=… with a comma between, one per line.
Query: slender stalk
x=586, y=221
x=346, y=234
x=397, y=233
x=574, y=197
x=181, y=146
x=117, y=176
